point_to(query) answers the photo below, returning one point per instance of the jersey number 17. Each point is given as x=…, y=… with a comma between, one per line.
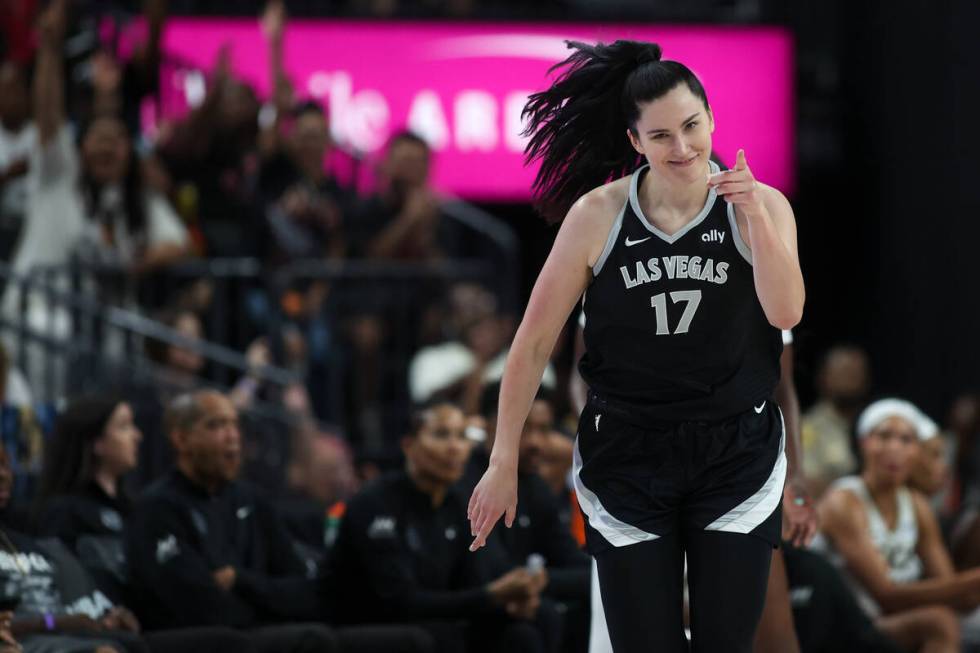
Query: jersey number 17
x=659, y=303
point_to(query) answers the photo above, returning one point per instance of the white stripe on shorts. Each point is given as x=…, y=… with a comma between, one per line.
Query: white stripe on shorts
x=756, y=509
x=617, y=532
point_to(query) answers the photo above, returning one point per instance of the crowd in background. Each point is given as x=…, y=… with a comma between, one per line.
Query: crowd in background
x=161, y=514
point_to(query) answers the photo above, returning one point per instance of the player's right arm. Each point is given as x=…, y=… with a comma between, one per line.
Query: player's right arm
x=562, y=280
x=842, y=520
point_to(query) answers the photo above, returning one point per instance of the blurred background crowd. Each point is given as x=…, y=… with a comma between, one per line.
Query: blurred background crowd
x=248, y=375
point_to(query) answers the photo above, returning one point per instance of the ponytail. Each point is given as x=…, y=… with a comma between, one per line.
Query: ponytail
x=576, y=125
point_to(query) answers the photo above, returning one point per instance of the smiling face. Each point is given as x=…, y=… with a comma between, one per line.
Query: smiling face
x=673, y=133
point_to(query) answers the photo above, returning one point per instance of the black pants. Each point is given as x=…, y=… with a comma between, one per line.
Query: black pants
x=642, y=587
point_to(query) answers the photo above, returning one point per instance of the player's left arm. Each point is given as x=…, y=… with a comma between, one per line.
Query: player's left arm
x=768, y=218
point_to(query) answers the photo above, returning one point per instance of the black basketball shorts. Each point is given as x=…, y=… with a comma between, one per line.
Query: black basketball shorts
x=636, y=483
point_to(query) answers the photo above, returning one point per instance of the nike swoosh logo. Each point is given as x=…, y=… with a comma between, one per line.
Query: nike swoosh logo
x=758, y=409
x=630, y=243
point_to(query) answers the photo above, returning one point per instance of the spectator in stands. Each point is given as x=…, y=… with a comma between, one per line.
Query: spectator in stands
x=179, y=370
x=403, y=220
x=94, y=445
x=87, y=202
x=887, y=538
x=182, y=367
x=538, y=527
x=555, y=468
x=92, y=202
x=964, y=426
x=556, y=461
x=205, y=547
x=825, y=615
x=402, y=551
x=214, y=150
x=305, y=208
x=458, y=370
x=320, y=476
x=930, y=473
x=62, y=608
x=83, y=502
x=842, y=382
x=18, y=138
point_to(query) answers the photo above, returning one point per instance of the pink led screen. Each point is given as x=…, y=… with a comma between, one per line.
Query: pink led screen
x=462, y=86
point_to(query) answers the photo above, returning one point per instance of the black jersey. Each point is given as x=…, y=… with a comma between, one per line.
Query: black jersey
x=674, y=330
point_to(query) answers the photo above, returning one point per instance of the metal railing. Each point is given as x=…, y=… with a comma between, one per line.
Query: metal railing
x=82, y=345
x=67, y=326
x=80, y=335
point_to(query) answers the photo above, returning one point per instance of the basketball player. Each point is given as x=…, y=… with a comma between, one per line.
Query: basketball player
x=690, y=271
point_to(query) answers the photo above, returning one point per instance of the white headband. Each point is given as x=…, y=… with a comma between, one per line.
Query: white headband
x=928, y=429
x=879, y=411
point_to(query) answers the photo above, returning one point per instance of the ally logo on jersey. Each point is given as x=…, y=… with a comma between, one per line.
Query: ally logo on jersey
x=713, y=236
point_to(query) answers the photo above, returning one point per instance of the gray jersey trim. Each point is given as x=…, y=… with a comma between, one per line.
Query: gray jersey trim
x=740, y=245
x=610, y=243
x=756, y=509
x=618, y=533
x=698, y=219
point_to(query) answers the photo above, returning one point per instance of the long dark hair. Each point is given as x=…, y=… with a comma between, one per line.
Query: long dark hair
x=133, y=186
x=69, y=456
x=577, y=125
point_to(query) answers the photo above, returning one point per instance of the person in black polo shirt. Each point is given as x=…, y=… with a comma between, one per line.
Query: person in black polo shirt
x=401, y=551
x=205, y=548
x=61, y=607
